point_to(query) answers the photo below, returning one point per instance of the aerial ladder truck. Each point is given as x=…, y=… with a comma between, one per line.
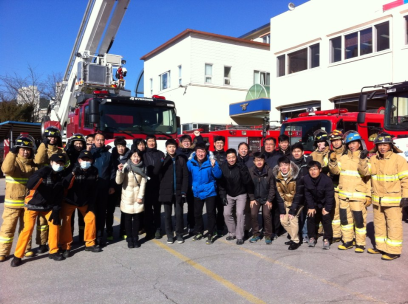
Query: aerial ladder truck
x=89, y=99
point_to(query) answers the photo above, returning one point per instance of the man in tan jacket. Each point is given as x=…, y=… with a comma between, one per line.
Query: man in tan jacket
x=389, y=175
x=18, y=167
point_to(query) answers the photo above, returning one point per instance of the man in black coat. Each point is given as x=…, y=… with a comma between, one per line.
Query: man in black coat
x=173, y=189
x=284, y=146
x=152, y=159
x=319, y=195
x=220, y=156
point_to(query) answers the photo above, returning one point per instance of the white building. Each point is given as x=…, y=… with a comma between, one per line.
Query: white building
x=204, y=73
x=324, y=51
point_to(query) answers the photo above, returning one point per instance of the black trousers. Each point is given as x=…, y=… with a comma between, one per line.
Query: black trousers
x=152, y=216
x=101, y=204
x=168, y=210
x=113, y=200
x=198, y=212
x=314, y=221
x=132, y=223
x=277, y=228
x=190, y=209
x=220, y=213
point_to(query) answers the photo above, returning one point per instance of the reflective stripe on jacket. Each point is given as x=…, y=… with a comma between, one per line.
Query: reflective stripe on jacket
x=17, y=170
x=352, y=185
x=389, y=177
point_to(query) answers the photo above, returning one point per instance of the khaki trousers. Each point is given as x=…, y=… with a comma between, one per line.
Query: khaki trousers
x=291, y=225
x=388, y=229
x=10, y=218
x=29, y=223
x=336, y=218
x=90, y=226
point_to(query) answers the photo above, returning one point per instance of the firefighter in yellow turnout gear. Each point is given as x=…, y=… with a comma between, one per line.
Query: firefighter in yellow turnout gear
x=336, y=139
x=389, y=175
x=18, y=167
x=52, y=144
x=354, y=193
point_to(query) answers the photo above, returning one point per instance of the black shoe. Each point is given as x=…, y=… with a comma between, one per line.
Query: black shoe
x=56, y=257
x=230, y=238
x=16, y=262
x=289, y=242
x=136, y=244
x=210, y=239
x=170, y=240
x=94, y=248
x=240, y=242
x=293, y=246
x=42, y=249
x=180, y=239
x=65, y=253
x=130, y=242
x=100, y=242
x=158, y=235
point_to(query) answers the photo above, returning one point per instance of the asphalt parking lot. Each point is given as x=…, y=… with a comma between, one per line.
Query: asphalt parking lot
x=194, y=272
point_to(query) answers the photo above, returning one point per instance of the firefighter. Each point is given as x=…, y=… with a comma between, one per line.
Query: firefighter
x=389, y=175
x=18, y=166
x=45, y=198
x=321, y=154
x=336, y=139
x=52, y=144
x=354, y=193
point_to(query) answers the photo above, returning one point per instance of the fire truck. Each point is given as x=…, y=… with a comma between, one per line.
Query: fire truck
x=395, y=114
x=236, y=134
x=91, y=100
x=302, y=128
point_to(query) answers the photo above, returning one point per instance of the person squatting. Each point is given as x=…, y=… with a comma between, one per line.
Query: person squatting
x=325, y=194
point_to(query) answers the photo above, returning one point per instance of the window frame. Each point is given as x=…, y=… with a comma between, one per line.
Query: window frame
x=208, y=76
x=227, y=78
x=180, y=74
x=267, y=77
x=162, y=88
x=286, y=61
x=151, y=86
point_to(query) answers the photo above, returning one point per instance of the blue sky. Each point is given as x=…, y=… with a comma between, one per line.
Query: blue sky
x=41, y=33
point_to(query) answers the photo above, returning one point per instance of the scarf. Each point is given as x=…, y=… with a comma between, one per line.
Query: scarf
x=137, y=168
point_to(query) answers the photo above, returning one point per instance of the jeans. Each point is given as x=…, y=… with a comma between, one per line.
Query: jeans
x=198, y=212
x=168, y=209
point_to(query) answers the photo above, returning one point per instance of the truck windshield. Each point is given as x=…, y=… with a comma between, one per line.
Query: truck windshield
x=302, y=131
x=396, y=114
x=136, y=118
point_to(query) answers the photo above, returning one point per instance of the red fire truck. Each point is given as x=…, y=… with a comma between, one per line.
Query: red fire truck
x=302, y=128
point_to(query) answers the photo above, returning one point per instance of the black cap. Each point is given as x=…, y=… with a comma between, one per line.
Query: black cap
x=85, y=154
x=57, y=158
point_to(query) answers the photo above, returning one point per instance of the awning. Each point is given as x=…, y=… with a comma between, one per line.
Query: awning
x=250, y=107
x=17, y=127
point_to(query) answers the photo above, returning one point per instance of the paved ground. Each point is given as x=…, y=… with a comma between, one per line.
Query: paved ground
x=194, y=272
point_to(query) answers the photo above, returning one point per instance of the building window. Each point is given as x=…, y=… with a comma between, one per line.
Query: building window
x=208, y=73
x=366, y=41
x=351, y=46
x=383, y=36
x=227, y=75
x=281, y=65
x=165, y=81
x=180, y=75
x=262, y=78
x=266, y=38
x=335, y=49
x=151, y=86
x=314, y=55
x=297, y=61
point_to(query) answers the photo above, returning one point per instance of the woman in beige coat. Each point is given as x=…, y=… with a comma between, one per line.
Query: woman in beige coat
x=133, y=179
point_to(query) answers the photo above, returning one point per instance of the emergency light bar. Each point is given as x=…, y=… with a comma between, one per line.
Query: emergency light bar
x=325, y=112
x=159, y=97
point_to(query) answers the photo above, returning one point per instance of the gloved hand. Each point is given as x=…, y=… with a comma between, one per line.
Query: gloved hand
x=333, y=157
x=55, y=215
x=363, y=154
x=14, y=150
x=368, y=202
x=183, y=199
x=404, y=202
x=76, y=170
x=225, y=201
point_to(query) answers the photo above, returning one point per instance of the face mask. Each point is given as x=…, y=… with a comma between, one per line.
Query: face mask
x=85, y=165
x=57, y=167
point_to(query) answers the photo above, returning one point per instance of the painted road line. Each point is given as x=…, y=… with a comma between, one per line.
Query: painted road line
x=246, y=295
x=301, y=271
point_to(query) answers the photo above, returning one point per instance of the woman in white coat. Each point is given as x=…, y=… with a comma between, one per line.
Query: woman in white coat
x=132, y=176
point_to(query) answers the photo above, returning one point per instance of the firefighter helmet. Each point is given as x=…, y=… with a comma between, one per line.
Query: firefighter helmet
x=335, y=135
x=52, y=132
x=352, y=136
x=24, y=142
x=383, y=138
x=77, y=137
x=321, y=137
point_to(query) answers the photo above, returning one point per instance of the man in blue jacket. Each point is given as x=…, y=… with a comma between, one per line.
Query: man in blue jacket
x=204, y=173
x=105, y=184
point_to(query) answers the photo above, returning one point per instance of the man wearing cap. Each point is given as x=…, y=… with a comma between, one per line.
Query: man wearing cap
x=354, y=193
x=338, y=148
x=81, y=183
x=321, y=154
x=45, y=197
x=18, y=166
x=389, y=175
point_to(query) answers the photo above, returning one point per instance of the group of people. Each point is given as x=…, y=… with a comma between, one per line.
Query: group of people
x=326, y=193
